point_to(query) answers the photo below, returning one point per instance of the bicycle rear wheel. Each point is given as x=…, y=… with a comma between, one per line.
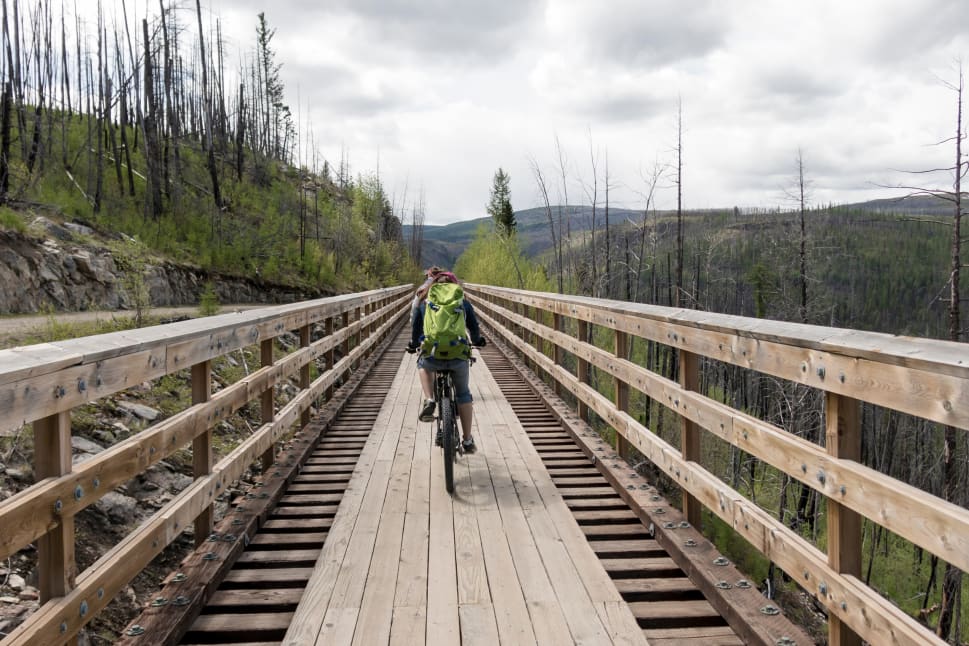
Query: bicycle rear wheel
x=450, y=435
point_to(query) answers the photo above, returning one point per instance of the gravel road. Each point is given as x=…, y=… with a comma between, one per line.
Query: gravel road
x=18, y=325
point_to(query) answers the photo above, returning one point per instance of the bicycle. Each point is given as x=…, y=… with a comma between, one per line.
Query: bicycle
x=446, y=422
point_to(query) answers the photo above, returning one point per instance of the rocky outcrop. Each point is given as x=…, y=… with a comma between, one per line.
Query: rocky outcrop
x=58, y=274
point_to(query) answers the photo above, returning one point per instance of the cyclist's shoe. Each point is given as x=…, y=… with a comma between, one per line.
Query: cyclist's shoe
x=439, y=439
x=468, y=445
x=427, y=412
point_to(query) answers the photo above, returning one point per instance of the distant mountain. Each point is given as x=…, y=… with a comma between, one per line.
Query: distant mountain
x=916, y=205
x=444, y=244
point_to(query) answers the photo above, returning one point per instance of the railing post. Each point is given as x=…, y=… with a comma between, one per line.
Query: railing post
x=345, y=321
x=689, y=431
x=304, y=373
x=622, y=392
x=582, y=370
x=328, y=394
x=537, y=342
x=842, y=440
x=558, y=323
x=267, y=401
x=202, y=445
x=55, y=549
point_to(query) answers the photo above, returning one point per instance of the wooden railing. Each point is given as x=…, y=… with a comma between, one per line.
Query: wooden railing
x=925, y=378
x=41, y=384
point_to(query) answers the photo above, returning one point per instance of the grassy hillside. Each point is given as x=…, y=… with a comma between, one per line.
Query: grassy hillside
x=276, y=222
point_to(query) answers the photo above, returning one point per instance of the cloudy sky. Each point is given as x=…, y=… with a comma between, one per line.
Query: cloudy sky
x=443, y=92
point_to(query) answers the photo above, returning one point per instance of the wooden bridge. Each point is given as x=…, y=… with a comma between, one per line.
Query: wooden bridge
x=551, y=536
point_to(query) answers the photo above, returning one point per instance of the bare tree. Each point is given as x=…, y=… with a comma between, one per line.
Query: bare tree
x=954, y=467
x=556, y=243
x=799, y=194
x=678, y=291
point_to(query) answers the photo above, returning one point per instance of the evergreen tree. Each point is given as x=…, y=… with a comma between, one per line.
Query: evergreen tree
x=499, y=206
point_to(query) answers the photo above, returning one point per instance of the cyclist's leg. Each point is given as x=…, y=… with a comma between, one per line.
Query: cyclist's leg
x=426, y=413
x=462, y=395
x=427, y=382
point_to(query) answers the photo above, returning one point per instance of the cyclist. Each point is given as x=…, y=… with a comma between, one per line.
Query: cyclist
x=429, y=275
x=460, y=368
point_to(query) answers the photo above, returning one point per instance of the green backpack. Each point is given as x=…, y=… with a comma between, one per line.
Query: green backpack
x=445, y=335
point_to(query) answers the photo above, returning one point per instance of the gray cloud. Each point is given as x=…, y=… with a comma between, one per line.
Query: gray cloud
x=637, y=33
x=439, y=31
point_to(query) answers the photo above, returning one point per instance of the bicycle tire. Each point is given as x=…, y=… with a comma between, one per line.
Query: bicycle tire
x=447, y=425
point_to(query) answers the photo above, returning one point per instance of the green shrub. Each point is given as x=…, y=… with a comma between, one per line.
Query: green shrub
x=9, y=219
x=208, y=300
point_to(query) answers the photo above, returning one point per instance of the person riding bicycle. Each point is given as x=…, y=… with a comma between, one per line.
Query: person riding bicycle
x=459, y=367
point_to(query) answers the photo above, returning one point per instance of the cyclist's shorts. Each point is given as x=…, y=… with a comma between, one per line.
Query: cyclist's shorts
x=460, y=374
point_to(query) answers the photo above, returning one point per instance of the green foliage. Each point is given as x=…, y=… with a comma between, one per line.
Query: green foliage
x=499, y=204
x=208, y=300
x=352, y=238
x=10, y=220
x=132, y=258
x=498, y=260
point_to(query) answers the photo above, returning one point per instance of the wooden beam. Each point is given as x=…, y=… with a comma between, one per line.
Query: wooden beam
x=304, y=372
x=926, y=520
x=558, y=322
x=329, y=327
x=582, y=371
x=923, y=377
x=55, y=549
x=621, y=390
x=843, y=440
x=267, y=400
x=202, y=446
x=843, y=595
x=689, y=431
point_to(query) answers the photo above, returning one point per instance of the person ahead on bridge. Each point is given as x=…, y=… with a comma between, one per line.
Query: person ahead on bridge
x=430, y=274
x=459, y=367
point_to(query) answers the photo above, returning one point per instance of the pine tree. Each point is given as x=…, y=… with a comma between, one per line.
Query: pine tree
x=499, y=205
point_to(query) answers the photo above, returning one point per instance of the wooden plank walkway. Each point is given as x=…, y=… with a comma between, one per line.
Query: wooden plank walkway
x=503, y=561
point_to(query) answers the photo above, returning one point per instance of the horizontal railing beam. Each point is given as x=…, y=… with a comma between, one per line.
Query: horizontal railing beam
x=853, y=603
x=98, y=585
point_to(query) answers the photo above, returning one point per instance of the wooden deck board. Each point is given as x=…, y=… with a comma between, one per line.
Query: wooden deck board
x=502, y=561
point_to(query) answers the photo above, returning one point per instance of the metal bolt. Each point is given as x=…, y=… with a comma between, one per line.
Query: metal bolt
x=721, y=561
x=81, y=386
x=823, y=588
x=843, y=490
x=844, y=605
x=100, y=593
x=821, y=476
x=78, y=492
x=82, y=610
x=58, y=506
x=821, y=372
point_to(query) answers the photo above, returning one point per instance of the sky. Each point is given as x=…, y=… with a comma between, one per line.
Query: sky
x=439, y=94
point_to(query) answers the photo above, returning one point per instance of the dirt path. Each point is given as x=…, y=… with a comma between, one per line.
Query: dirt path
x=18, y=326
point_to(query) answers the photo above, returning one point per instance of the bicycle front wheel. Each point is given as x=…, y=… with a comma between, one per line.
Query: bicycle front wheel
x=450, y=438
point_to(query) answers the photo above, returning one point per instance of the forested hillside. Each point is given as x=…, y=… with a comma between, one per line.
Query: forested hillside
x=146, y=128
